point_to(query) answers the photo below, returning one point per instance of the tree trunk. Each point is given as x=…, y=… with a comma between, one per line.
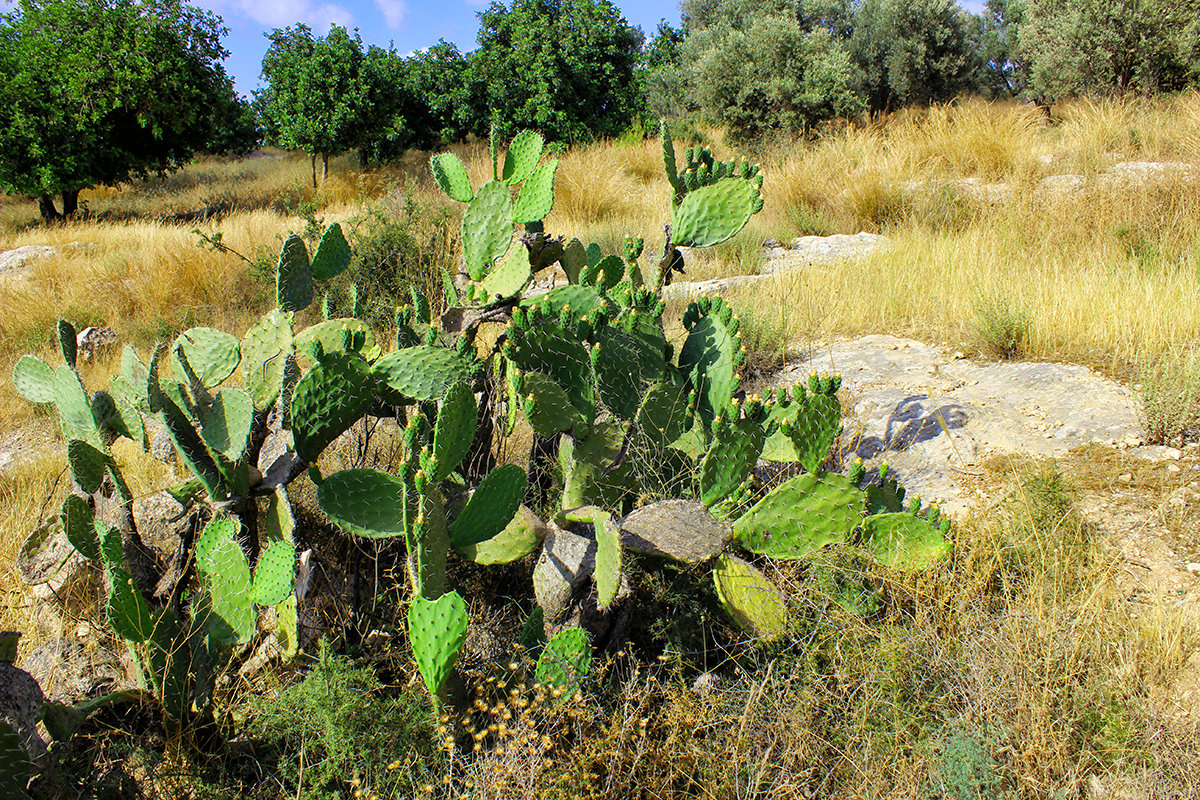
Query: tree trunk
x=314, y=169
x=363, y=161
x=49, y=212
x=324, y=167
x=70, y=202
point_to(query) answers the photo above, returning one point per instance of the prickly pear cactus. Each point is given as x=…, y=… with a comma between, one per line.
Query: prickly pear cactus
x=490, y=508
x=437, y=630
x=906, y=541
x=223, y=571
x=565, y=659
x=15, y=767
x=801, y=515
x=750, y=597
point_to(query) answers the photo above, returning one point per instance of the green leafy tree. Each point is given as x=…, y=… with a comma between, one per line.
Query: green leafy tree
x=563, y=67
x=1005, y=69
x=97, y=92
x=914, y=52
x=318, y=93
x=1106, y=46
x=663, y=77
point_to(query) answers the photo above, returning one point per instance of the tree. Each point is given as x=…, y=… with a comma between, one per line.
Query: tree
x=97, y=92
x=1005, y=68
x=318, y=93
x=1105, y=46
x=913, y=52
x=562, y=67
x=662, y=75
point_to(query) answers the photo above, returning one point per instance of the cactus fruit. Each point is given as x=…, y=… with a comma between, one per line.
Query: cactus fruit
x=902, y=540
x=608, y=558
x=365, y=502
x=490, y=508
x=223, y=571
x=801, y=515
x=518, y=539
x=34, y=380
x=452, y=177
x=565, y=659
x=425, y=372
x=264, y=355
x=584, y=302
x=536, y=197
x=487, y=228
x=454, y=431
x=293, y=277
x=437, y=630
x=750, y=597
x=334, y=395
x=333, y=254
x=213, y=355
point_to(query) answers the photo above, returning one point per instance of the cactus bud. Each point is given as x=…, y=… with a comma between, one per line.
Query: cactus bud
x=519, y=318
x=430, y=335
x=857, y=471
x=564, y=315
x=914, y=507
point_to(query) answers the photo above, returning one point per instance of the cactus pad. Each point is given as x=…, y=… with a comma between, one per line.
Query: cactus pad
x=730, y=458
x=293, y=278
x=902, y=540
x=222, y=568
x=547, y=407
x=487, y=228
x=274, y=572
x=490, y=508
x=331, y=334
x=334, y=395
x=264, y=355
x=801, y=515
x=15, y=766
x=87, y=465
x=663, y=415
x=452, y=177
x=750, y=597
x=212, y=354
x=424, y=372
x=523, y=154
x=74, y=409
x=709, y=359
x=333, y=254
x=536, y=197
x=711, y=214
x=437, y=630
x=608, y=558
x=454, y=431
x=68, y=342
x=507, y=278
x=565, y=659
x=365, y=502
x=225, y=424
x=518, y=539
x=34, y=380
x=128, y=612
x=79, y=524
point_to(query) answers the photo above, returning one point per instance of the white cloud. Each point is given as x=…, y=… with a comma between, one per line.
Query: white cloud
x=394, y=12
x=278, y=13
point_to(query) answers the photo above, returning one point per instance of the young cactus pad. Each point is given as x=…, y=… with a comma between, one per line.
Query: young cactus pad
x=365, y=502
x=490, y=508
x=437, y=630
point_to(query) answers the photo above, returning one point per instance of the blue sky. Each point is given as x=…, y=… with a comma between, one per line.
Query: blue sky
x=407, y=24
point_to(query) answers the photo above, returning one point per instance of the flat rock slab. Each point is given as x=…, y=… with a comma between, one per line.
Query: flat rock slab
x=565, y=565
x=678, y=529
x=932, y=417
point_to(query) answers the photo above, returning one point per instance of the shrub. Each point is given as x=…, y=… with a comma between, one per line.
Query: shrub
x=1169, y=390
x=1002, y=326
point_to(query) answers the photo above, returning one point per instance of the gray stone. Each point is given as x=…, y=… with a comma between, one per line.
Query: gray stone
x=68, y=671
x=20, y=257
x=92, y=342
x=564, y=567
x=161, y=445
x=21, y=702
x=162, y=523
x=678, y=529
x=686, y=290
x=48, y=558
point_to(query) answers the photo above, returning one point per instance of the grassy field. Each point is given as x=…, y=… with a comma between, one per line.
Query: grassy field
x=1015, y=670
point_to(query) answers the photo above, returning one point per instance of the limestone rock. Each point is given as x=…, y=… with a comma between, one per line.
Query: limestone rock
x=67, y=671
x=94, y=341
x=678, y=529
x=564, y=567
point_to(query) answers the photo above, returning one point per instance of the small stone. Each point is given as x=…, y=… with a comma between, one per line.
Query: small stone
x=1125, y=477
x=92, y=342
x=1172, y=468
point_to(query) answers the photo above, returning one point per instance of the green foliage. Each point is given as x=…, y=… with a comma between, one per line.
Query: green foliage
x=98, y=92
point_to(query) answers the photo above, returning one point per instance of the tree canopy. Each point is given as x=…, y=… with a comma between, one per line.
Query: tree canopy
x=101, y=91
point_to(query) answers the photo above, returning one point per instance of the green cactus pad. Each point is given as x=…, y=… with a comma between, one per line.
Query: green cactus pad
x=185, y=438
x=169, y=657
x=87, y=465
x=801, y=515
x=813, y=425
x=573, y=260
x=225, y=425
x=79, y=524
x=587, y=465
x=750, y=597
x=128, y=612
x=134, y=371
x=212, y=354
x=565, y=659
x=536, y=197
x=128, y=398
x=15, y=767
x=264, y=356
x=730, y=458
x=331, y=335
x=669, y=163
x=454, y=431
x=711, y=214
x=437, y=630
x=222, y=568
x=277, y=521
x=547, y=407
x=708, y=358
x=621, y=374
x=34, y=380
x=365, y=502
x=487, y=228
x=523, y=154
x=112, y=547
x=518, y=539
x=68, y=345
x=566, y=360
x=287, y=626
x=334, y=395
x=425, y=372
x=904, y=541
x=508, y=278
x=74, y=409
x=452, y=177
x=584, y=302
x=490, y=508
x=663, y=415
x=293, y=278
x=274, y=573
x=333, y=254
x=608, y=558
x=887, y=495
